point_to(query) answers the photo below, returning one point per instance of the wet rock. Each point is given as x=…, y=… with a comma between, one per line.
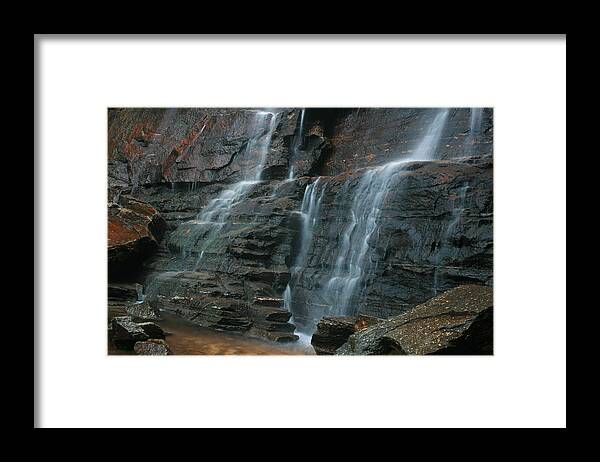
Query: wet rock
x=123, y=292
x=275, y=334
x=271, y=322
x=152, y=330
x=366, y=137
x=142, y=310
x=221, y=301
x=307, y=152
x=149, y=146
x=178, y=160
x=191, y=145
x=268, y=301
x=434, y=234
x=203, y=299
x=413, y=255
x=134, y=230
x=124, y=333
x=332, y=332
x=459, y=321
x=152, y=347
x=270, y=314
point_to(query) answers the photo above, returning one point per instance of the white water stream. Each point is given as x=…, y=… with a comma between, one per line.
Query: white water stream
x=351, y=258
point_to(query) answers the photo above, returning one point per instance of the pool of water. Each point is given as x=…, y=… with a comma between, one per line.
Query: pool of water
x=186, y=338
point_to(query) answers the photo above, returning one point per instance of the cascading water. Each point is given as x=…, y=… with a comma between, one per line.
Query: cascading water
x=351, y=260
x=441, y=252
x=348, y=261
x=351, y=266
x=476, y=114
x=474, y=129
x=311, y=203
x=457, y=212
x=459, y=206
x=214, y=217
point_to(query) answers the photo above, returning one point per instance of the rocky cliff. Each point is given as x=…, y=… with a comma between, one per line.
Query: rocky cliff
x=432, y=232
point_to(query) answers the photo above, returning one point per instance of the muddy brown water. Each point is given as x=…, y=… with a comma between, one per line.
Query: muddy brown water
x=186, y=338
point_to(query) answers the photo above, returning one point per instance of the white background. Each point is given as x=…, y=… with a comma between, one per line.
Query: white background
x=523, y=384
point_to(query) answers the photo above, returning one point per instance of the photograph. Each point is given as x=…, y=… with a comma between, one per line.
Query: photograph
x=300, y=231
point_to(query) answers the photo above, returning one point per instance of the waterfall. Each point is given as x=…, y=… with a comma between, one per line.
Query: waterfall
x=139, y=290
x=351, y=262
x=213, y=218
x=474, y=129
x=457, y=213
x=297, y=144
x=476, y=113
x=309, y=211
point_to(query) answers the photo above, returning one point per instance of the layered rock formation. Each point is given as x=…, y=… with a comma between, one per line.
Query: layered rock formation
x=183, y=147
x=433, y=235
x=434, y=230
x=459, y=321
x=122, y=293
x=141, y=310
x=368, y=137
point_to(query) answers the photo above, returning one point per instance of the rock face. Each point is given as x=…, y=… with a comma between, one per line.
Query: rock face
x=134, y=229
x=221, y=301
x=368, y=137
x=332, y=332
x=190, y=146
x=434, y=230
x=147, y=147
x=435, y=233
x=152, y=347
x=459, y=321
x=124, y=292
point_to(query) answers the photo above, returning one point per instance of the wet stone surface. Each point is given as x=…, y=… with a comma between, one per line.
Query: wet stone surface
x=167, y=167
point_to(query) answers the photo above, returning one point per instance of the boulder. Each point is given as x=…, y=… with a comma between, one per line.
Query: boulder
x=152, y=330
x=124, y=333
x=333, y=331
x=273, y=334
x=152, y=347
x=134, y=229
x=459, y=321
